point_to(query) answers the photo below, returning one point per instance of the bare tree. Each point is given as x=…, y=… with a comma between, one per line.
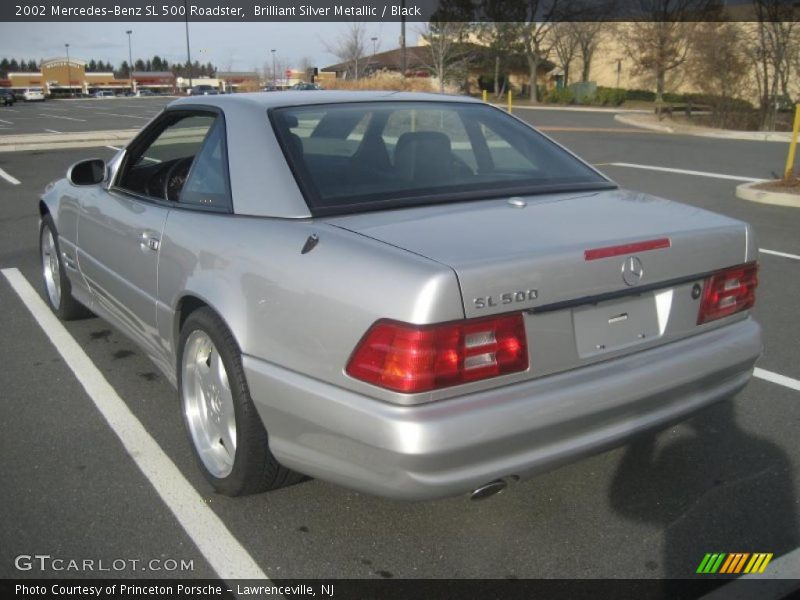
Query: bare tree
x=541, y=17
x=306, y=65
x=661, y=40
x=771, y=50
x=447, y=52
x=349, y=48
x=499, y=32
x=719, y=66
x=566, y=45
x=588, y=34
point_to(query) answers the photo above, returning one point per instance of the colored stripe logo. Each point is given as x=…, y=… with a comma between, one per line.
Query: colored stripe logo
x=734, y=563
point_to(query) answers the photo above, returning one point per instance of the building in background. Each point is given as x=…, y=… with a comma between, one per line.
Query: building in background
x=58, y=77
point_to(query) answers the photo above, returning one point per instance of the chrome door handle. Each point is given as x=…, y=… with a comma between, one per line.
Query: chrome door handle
x=149, y=242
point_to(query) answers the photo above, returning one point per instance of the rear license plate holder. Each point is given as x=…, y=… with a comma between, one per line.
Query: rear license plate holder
x=616, y=324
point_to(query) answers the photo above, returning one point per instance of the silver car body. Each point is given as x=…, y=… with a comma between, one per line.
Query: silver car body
x=298, y=317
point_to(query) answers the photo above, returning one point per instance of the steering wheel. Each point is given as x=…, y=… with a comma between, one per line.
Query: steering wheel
x=176, y=177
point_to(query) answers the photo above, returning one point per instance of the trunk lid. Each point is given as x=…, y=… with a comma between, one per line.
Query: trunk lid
x=536, y=254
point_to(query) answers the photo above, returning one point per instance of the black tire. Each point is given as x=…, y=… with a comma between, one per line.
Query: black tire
x=254, y=469
x=65, y=306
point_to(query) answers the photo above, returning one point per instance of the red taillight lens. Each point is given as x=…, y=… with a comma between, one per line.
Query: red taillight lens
x=728, y=292
x=419, y=358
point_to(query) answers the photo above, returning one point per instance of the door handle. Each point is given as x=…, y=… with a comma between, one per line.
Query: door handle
x=149, y=242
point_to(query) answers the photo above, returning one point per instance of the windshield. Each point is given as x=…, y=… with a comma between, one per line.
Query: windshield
x=366, y=156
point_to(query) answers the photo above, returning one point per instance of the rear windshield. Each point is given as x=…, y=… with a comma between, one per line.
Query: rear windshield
x=367, y=156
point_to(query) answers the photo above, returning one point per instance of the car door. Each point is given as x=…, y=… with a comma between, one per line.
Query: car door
x=120, y=227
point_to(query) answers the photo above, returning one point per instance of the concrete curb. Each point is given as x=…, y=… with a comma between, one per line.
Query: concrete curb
x=642, y=124
x=65, y=141
x=747, y=191
x=752, y=136
x=586, y=109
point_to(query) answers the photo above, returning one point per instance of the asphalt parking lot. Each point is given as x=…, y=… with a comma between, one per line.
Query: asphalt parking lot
x=85, y=114
x=726, y=480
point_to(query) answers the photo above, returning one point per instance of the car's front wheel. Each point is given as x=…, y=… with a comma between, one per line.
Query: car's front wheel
x=227, y=435
x=56, y=283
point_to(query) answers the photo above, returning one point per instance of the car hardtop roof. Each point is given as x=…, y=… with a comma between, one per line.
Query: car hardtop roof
x=298, y=98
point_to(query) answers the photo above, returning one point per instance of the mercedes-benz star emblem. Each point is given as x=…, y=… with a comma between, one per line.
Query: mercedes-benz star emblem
x=632, y=270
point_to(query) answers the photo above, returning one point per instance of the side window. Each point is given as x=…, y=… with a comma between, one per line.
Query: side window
x=207, y=184
x=159, y=168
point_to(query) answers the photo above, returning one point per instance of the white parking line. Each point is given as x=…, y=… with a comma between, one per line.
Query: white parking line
x=776, y=253
x=52, y=131
x=6, y=122
x=222, y=551
x=9, y=178
x=793, y=384
x=114, y=148
x=119, y=115
x=62, y=117
x=684, y=172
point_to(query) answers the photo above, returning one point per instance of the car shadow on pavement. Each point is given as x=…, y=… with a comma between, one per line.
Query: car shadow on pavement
x=710, y=487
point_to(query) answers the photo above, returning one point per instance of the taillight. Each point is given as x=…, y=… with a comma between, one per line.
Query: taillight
x=419, y=358
x=728, y=292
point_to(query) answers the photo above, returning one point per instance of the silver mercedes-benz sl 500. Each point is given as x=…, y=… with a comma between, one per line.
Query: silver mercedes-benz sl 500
x=410, y=295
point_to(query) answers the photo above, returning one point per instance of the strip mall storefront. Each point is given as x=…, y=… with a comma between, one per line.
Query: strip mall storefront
x=61, y=77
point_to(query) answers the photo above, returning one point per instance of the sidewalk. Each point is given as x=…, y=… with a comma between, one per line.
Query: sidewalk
x=650, y=121
x=63, y=141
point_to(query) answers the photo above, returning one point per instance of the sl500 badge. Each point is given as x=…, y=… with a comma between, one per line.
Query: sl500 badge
x=505, y=298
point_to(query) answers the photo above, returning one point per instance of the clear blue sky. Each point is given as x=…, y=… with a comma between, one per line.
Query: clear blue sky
x=238, y=46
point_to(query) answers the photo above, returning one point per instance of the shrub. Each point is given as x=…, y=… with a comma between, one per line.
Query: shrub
x=642, y=95
x=382, y=81
x=562, y=96
x=610, y=96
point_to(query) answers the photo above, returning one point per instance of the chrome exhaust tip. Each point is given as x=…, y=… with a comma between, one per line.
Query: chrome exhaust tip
x=488, y=489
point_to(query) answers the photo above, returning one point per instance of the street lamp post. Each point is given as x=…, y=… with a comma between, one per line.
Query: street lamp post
x=274, y=75
x=69, y=72
x=374, y=41
x=130, y=60
x=188, y=53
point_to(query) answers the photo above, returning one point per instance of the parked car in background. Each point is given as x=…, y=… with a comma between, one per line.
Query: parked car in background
x=306, y=86
x=419, y=296
x=103, y=94
x=7, y=97
x=33, y=95
x=203, y=90
x=145, y=93
x=270, y=88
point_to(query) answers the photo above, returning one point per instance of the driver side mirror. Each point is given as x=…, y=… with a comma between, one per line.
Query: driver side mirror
x=87, y=172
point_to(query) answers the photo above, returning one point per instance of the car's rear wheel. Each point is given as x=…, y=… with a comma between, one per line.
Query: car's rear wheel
x=228, y=438
x=56, y=283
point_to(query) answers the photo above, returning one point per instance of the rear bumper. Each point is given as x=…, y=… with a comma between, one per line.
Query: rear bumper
x=453, y=446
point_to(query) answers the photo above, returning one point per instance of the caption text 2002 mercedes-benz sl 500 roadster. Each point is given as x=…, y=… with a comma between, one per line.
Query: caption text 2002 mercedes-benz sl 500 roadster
x=410, y=295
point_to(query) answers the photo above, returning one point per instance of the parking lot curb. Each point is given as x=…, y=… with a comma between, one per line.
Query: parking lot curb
x=65, y=141
x=642, y=124
x=748, y=191
x=726, y=134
